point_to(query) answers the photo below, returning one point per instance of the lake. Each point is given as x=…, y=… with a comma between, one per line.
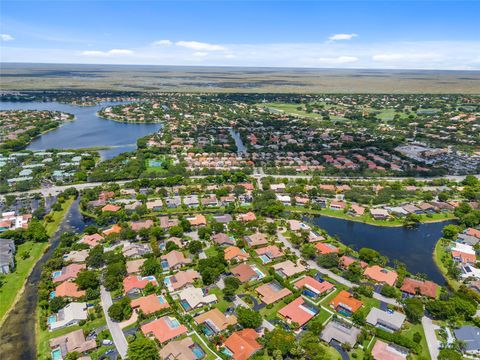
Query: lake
x=411, y=246
x=86, y=130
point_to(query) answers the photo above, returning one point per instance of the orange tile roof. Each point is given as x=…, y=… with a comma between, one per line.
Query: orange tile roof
x=69, y=289
x=92, y=240
x=115, y=229
x=381, y=275
x=244, y=272
x=346, y=261
x=310, y=283
x=346, y=300
x=111, y=208
x=464, y=257
x=198, y=220
x=133, y=282
x=324, y=248
x=249, y=216
x=164, y=329
x=233, y=252
x=150, y=303
x=243, y=344
x=70, y=272
x=425, y=288
x=272, y=292
x=296, y=312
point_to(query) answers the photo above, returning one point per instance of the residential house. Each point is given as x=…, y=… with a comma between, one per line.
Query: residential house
x=72, y=342
x=470, y=336
x=191, y=201
x=197, y=220
x=298, y=312
x=356, y=210
x=68, y=289
x=150, y=304
x=272, y=292
x=139, y=225
x=174, y=260
x=269, y=253
x=184, y=349
x=325, y=248
x=181, y=279
x=384, y=351
x=379, y=214
x=337, y=205
x=464, y=254
x=91, y=240
x=164, y=329
x=167, y=223
x=173, y=202
x=154, y=205
x=233, y=253
x=134, y=284
x=69, y=272
x=71, y=314
x=345, y=303
x=223, y=219
x=7, y=256
x=245, y=273
x=111, y=208
x=242, y=344
x=76, y=256
x=419, y=287
x=193, y=298
x=381, y=275
x=345, y=261
x=257, y=239
x=249, y=216
x=223, y=239
x=135, y=266
x=215, y=320
x=312, y=287
x=340, y=331
x=131, y=250
x=388, y=320
x=288, y=268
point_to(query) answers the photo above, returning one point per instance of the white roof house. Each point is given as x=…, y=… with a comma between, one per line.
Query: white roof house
x=68, y=316
x=192, y=298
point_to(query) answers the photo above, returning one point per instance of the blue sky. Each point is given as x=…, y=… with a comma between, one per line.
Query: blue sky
x=340, y=34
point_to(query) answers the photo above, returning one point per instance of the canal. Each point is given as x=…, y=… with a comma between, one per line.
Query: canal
x=17, y=334
x=87, y=130
x=411, y=246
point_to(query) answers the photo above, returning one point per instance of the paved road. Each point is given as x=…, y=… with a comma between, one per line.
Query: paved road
x=430, y=337
x=117, y=334
x=313, y=265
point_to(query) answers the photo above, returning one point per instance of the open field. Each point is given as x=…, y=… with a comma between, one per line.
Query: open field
x=234, y=79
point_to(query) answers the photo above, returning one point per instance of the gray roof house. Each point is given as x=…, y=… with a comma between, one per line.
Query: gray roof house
x=386, y=320
x=342, y=332
x=7, y=256
x=470, y=335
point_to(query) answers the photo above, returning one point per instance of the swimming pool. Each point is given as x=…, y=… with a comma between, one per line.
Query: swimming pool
x=52, y=295
x=56, y=274
x=164, y=264
x=57, y=354
x=185, y=305
x=265, y=258
x=207, y=330
x=161, y=299
x=198, y=351
x=259, y=273
x=309, y=293
x=167, y=281
x=52, y=319
x=172, y=322
x=150, y=278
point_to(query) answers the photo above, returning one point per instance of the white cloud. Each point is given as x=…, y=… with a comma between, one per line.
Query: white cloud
x=337, y=37
x=6, y=37
x=112, y=52
x=163, y=42
x=200, y=54
x=338, y=60
x=388, y=57
x=200, y=46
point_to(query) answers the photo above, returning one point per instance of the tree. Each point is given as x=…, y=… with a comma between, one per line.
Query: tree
x=449, y=354
x=150, y=267
x=328, y=260
x=211, y=268
x=248, y=318
x=414, y=309
x=87, y=279
x=120, y=310
x=36, y=232
x=308, y=251
x=450, y=231
x=95, y=257
x=195, y=246
x=390, y=291
x=372, y=256
x=142, y=349
x=279, y=340
x=57, y=303
x=312, y=347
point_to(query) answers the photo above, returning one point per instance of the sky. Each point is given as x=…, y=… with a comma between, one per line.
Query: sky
x=311, y=34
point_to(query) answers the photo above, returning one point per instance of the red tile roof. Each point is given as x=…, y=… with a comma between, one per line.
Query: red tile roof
x=150, y=303
x=425, y=288
x=243, y=344
x=312, y=284
x=164, y=329
x=133, y=282
x=296, y=312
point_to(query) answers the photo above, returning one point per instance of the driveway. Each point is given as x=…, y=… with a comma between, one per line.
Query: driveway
x=337, y=346
x=117, y=334
x=430, y=337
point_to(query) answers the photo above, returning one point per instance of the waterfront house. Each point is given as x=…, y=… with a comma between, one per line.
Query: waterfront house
x=381, y=275
x=71, y=314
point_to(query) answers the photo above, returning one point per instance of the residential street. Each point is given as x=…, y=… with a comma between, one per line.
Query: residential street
x=117, y=334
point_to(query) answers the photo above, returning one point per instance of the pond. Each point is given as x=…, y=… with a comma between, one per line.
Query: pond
x=87, y=130
x=411, y=246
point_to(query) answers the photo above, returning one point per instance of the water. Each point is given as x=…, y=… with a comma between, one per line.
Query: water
x=241, y=149
x=17, y=339
x=411, y=246
x=86, y=130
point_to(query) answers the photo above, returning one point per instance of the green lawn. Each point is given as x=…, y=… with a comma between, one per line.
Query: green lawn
x=291, y=109
x=438, y=254
x=222, y=304
x=210, y=355
x=412, y=329
x=14, y=282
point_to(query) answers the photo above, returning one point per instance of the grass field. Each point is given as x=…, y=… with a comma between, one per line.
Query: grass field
x=290, y=109
x=438, y=253
x=15, y=281
x=412, y=329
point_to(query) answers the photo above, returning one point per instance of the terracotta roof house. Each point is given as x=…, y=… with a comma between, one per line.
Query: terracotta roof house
x=150, y=303
x=69, y=272
x=269, y=253
x=235, y=253
x=257, y=239
x=166, y=222
x=180, y=350
x=193, y=298
x=298, y=311
x=111, y=208
x=242, y=344
x=69, y=289
x=174, y=260
x=346, y=261
x=356, y=210
x=223, y=239
x=390, y=321
x=381, y=275
x=133, y=284
x=114, y=229
x=139, y=225
x=312, y=287
x=344, y=333
x=325, y=248
x=76, y=256
x=244, y=273
x=344, y=302
x=272, y=292
x=91, y=240
x=215, y=320
x=74, y=341
x=181, y=279
x=384, y=351
x=337, y=205
x=249, y=216
x=422, y=287
x=288, y=268
x=473, y=232
x=197, y=220
x=164, y=329
x=135, y=266
x=296, y=225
